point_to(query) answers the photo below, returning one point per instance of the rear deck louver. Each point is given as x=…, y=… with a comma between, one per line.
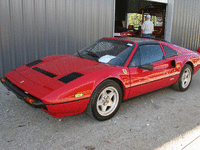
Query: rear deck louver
x=70, y=77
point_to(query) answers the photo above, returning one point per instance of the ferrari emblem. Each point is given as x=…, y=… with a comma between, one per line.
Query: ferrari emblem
x=124, y=71
x=22, y=81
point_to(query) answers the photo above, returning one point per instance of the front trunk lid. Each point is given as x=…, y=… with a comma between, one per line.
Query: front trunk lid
x=49, y=72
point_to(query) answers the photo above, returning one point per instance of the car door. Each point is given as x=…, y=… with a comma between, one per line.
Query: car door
x=144, y=80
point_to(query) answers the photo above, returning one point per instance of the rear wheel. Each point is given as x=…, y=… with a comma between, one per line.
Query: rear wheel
x=184, y=79
x=105, y=100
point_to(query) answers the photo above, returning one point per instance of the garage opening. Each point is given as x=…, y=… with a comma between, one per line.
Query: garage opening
x=130, y=14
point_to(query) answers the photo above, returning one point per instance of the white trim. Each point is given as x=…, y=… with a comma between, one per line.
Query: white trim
x=169, y=20
x=114, y=19
x=160, y=1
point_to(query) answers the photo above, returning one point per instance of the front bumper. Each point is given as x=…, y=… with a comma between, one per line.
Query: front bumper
x=22, y=94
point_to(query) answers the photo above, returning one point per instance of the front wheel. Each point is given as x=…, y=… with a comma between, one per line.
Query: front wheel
x=184, y=79
x=105, y=100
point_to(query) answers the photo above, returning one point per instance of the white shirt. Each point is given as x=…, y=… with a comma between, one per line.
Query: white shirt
x=148, y=27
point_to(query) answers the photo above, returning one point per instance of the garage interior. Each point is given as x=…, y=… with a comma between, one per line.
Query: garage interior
x=130, y=14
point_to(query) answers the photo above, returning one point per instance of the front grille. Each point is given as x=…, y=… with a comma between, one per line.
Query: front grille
x=21, y=93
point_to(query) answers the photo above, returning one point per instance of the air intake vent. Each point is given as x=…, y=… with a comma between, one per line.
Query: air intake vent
x=34, y=63
x=70, y=77
x=44, y=72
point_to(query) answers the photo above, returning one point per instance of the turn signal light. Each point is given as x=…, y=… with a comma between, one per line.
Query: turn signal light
x=2, y=79
x=78, y=95
x=29, y=100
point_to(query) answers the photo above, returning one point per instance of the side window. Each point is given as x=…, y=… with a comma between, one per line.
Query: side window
x=150, y=54
x=135, y=61
x=121, y=59
x=169, y=51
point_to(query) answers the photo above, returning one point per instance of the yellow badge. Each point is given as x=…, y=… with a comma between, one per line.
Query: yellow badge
x=78, y=95
x=124, y=71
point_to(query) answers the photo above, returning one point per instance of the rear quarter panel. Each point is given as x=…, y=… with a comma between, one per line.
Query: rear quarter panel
x=185, y=56
x=191, y=59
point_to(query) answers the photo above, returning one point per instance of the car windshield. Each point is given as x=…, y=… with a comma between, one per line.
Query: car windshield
x=108, y=51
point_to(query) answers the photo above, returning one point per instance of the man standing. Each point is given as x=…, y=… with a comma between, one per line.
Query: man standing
x=147, y=27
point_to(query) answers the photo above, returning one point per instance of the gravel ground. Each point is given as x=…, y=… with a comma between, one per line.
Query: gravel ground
x=142, y=123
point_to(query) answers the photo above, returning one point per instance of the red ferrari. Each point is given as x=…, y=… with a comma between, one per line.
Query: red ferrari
x=98, y=78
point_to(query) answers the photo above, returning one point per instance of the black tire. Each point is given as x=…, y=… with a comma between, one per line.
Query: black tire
x=107, y=93
x=180, y=84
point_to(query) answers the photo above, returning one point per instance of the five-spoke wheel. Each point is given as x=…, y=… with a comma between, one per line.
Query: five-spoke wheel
x=105, y=100
x=185, y=78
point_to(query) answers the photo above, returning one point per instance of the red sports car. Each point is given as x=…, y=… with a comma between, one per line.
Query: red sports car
x=98, y=78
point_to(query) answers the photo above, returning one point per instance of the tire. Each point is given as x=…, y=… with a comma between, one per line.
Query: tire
x=185, y=79
x=105, y=100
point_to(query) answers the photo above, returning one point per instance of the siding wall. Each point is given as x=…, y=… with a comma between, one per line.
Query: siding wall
x=31, y=29
x=186, y=24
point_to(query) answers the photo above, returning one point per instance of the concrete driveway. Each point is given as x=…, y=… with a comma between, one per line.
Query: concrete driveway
x=146, y=122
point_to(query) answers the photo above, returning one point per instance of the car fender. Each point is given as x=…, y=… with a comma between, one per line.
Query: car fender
x=119, y=75
x=83, y=87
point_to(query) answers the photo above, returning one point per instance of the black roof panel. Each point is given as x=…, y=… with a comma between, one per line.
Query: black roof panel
x=141, y=41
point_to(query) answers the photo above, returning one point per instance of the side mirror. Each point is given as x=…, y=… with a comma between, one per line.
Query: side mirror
x=198, y=50
x=147, y=67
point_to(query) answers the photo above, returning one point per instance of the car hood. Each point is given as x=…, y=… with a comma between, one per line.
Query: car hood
x=55, y=71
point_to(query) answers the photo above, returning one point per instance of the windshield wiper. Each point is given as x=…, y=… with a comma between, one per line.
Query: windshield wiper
x=94, y=55
x=79, y=54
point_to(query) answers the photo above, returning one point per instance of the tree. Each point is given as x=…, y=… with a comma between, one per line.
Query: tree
x=135, y=19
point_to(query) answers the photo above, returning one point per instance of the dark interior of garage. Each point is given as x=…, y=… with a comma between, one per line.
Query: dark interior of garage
x=130, y=14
